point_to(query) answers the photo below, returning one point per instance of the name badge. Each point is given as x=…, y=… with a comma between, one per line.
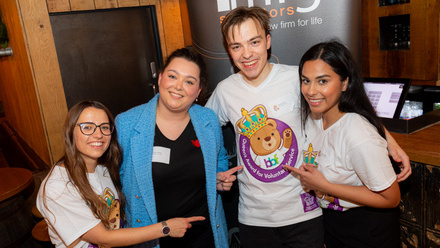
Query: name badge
x=161, y=154
x=282, y=105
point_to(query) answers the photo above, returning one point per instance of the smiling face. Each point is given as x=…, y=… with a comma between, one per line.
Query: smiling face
x=93, y=146
x=322, y=88
x=266, y=140
x=247, y=46
x=179, y=85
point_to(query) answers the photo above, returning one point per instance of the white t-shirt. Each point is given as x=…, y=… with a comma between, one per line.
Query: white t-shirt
x=67, y=214
x=269, y=196
x=350, y=152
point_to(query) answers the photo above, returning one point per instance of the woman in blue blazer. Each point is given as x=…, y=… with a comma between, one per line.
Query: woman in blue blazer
x=174, y=162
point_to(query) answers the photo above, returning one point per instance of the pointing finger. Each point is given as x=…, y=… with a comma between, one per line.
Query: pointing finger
x=195, y=218
x=224, y=176
x=293, y=169
x=233, y=170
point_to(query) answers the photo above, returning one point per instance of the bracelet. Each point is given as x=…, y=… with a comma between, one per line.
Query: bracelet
x=323, y=196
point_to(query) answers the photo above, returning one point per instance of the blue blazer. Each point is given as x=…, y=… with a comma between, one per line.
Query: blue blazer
x=135, y=129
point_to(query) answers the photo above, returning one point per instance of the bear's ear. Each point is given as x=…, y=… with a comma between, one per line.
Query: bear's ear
x=272, y=122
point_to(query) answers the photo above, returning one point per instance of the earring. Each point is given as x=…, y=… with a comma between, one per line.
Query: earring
x=197, y=99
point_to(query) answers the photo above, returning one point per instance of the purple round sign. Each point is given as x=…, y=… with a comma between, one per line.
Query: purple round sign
x=272, y=174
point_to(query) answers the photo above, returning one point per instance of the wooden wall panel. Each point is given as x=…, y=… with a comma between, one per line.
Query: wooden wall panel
x=185, y=23
x=106, y=4
x=78, y=5
x=17, y=89
x=421, y=62
x=160, y=26
x=58, y=5
x=47, y=77
x=128, y=3
x=433, y=34
x=148, y=2
x=172, y=22
x=365, y=28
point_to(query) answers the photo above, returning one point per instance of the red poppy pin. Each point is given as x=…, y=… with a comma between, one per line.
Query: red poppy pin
x=195, y=143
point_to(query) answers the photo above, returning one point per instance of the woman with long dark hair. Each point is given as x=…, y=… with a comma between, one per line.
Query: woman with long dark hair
x=347, y=159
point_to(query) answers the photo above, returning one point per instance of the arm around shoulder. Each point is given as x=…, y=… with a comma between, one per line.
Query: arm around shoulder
x=399, y=156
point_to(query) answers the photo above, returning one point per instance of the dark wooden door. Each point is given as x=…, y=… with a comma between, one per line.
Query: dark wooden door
x=106, y=55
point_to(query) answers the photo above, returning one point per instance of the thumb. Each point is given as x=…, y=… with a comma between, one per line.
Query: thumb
x=396, y=157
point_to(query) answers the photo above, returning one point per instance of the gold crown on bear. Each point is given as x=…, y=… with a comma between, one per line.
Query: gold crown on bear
x=252, y=121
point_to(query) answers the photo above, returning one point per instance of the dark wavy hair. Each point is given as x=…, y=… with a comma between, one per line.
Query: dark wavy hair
x=192, y=56
x=354, y=99
x=76, y=167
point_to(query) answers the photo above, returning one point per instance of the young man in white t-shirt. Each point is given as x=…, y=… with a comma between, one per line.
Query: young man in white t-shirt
x=262, y=101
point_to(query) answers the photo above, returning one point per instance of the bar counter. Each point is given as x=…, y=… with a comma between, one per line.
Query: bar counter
x=422, y=146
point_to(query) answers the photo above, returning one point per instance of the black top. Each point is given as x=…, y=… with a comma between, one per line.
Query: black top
x=180, y=185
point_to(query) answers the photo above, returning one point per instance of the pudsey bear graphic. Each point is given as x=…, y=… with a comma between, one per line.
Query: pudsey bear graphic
x=268, y=145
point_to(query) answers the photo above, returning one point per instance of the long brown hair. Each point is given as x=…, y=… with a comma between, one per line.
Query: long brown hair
x=76, y=167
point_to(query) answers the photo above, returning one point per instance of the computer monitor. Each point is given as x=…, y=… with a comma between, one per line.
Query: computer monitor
x=387, y=95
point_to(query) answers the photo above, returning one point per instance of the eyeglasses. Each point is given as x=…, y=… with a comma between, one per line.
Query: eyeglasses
x=89, y=128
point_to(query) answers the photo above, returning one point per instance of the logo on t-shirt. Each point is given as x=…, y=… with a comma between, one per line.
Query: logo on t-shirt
x=265, y=144
x=310, y=155
x=113, y=209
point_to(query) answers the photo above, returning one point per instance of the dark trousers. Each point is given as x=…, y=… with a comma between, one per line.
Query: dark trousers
x=362, y=227
x=307, y=234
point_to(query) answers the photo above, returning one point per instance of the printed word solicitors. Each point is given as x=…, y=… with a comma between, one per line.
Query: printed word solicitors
x=275, y=12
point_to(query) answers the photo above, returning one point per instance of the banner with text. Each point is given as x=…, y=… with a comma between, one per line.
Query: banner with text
x=296, y=25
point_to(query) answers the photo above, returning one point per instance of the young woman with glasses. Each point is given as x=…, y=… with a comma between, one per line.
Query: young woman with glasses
x=81, y=197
